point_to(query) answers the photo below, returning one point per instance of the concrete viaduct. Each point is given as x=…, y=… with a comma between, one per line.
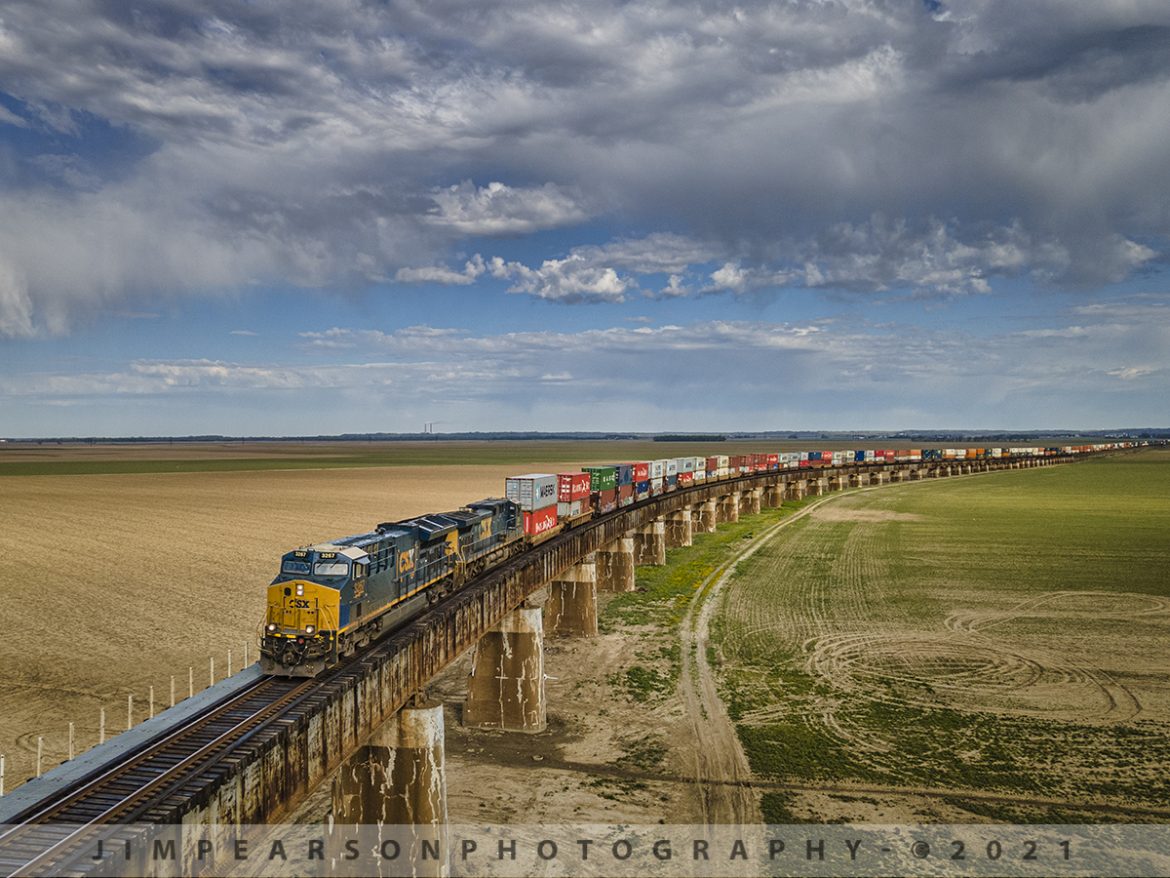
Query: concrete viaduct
x=373, y=731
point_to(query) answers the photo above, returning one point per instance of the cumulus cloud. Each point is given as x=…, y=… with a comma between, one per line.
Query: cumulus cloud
x=438, y=274
x=573, y=279
x=190, y=148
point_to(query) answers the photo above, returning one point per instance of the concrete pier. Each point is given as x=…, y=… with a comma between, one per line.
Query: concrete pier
x=879, y=478
x=400, y=776
x=796, y=490
x=705, y=518
x=572, y=604
x=817, y=487
x=615, y=565
x=679, y=527
x=773, y=496
x=838, y=482
x=650, y=544
x=397, y=781
x=506, y=686
x=915, y=474
x=750, y=501
x=728, y=508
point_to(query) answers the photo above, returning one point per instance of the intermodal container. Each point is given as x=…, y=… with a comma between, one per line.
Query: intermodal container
x=642, y=489
x=686, y=464
x=773, y=462
x=601, y=478
x=604, y=501
x=671, y=482
x=573, y=486
x=625, y=494
x=859, y=457
x=641, y=471
x=814, y=455
x=686, y=479
x=533, y=491
x=657, y=487
x=540, y=521
x=625, y=473
x=573, y=509
x=712, y=467
x=701, y=472
x=657, y=469
x=671, y=467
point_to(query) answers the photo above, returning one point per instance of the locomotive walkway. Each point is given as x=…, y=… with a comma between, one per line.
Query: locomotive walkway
x=253, y=748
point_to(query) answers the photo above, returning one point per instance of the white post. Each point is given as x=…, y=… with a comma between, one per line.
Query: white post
x=172, y=690
x=71, y=740
x=1, y=774
x=40, y=752
x=245, y=653
x=102, y=727
x=211, y=671
x=229, y=673
x=152, y=702
x=190, y=682
x=129, y=712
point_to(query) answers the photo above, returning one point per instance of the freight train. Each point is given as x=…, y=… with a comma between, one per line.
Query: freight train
x=330, y=599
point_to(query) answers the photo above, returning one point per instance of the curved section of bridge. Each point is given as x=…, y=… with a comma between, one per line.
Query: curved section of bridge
x=254, y=754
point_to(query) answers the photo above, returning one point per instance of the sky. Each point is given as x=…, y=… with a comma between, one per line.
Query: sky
x=262, y=218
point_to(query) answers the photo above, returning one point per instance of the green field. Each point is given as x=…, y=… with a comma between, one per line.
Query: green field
x=1002, y=633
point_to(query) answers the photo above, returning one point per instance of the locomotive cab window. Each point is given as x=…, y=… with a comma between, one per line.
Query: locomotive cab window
x=331, y=568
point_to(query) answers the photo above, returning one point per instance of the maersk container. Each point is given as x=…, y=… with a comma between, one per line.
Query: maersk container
x=657, y=469
x=532, y=491
x=573, y=486
x=601, y=478
x=573, y=509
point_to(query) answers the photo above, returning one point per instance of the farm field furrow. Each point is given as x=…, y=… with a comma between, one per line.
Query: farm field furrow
x=1004, y=632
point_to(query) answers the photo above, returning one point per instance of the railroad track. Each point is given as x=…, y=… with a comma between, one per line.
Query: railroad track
x=139, y=787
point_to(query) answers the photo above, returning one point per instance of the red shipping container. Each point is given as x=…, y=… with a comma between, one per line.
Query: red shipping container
x=605, y=501
x=686, y=479
x=625, y=495
x=641, y=471
x=540, y=521
x=712, y=464
x=773, y=461
x=572, y=486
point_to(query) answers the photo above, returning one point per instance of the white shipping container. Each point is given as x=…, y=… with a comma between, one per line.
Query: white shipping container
x=658, y=469
x=656, y=487
x=870, y=455
x=570, y=510
x=686, y=464
x=723, y=460
x=701, y=474
x=672, y=467
x=533, y=491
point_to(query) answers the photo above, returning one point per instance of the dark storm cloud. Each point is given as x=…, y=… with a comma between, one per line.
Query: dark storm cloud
x=813, y=143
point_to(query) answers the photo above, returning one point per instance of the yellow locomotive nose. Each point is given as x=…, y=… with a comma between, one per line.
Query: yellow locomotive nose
x=300, y=607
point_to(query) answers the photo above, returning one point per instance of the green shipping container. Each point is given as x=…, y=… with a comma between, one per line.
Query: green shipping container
x=601, y=478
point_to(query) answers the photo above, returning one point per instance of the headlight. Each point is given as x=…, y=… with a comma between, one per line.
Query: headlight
x=310, y=629
x=300, y=590
x=271, y=627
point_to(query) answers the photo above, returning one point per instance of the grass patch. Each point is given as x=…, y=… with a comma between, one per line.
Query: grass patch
x=841, y=659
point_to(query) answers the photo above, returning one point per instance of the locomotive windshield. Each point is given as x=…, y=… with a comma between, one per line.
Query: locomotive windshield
x=301, y=567
x=331, y=568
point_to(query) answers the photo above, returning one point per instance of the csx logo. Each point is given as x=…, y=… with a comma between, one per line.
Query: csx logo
x=299, y=604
